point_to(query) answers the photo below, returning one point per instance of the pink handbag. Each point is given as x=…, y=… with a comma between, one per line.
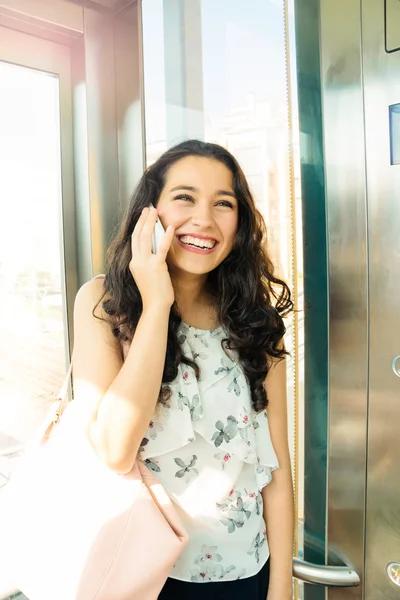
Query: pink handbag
x=75, y=530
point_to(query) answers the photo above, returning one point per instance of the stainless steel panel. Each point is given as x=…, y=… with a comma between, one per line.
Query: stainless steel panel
x=108, y=126
x=68, y=209
x=129, y=98
x=101, y=137
x=382, y=89
x=341, y=66
x=81, y=163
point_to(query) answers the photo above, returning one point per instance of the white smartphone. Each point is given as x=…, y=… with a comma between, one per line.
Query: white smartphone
x=158, y=234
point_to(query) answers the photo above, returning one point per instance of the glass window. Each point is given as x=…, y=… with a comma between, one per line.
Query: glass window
x=224, y=71
x=32, y=335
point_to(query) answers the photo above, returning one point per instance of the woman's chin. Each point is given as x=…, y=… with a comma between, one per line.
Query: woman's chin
x=190, y=267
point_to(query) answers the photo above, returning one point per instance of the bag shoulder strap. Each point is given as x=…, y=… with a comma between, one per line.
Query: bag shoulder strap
x=65, y=385
x=60, y=402
x=62, y=397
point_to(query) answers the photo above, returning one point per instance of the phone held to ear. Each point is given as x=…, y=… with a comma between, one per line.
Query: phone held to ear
x=158, y=234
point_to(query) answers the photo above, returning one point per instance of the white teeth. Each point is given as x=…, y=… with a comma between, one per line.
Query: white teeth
x=197, y=242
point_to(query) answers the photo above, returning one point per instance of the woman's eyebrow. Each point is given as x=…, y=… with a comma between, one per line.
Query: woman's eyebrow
x=226, y=193
x=190, y=188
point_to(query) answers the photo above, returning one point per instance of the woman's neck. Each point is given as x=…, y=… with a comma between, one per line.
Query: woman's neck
x=189, y=289
x=194, y=301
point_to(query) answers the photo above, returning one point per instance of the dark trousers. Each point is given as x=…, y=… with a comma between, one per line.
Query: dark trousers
x=252, y=588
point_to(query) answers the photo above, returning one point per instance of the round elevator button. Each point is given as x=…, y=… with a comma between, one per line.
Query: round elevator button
x=393, y=570
x=396, y=365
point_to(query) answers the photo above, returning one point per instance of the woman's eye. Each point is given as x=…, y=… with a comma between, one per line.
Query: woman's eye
x=184, y=197
x=225, y=203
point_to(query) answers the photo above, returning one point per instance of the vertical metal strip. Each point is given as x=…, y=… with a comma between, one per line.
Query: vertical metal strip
x=294, y=284
x=307, y=27
x=367, y=277
x=141, y=78
x=129, y=99
x=294, y=274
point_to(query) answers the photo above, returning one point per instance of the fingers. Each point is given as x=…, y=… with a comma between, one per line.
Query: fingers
x=147, y=230
x=141, y=236
x=135, y=238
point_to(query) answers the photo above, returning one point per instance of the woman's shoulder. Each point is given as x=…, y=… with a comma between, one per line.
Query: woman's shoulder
x=91, y=322
x=90, y=296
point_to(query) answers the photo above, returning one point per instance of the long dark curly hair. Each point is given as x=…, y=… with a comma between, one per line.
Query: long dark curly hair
x=251, y=301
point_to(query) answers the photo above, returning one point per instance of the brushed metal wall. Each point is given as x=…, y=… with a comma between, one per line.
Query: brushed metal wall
x=360, y=81
x=343, y=116
x=381, y=90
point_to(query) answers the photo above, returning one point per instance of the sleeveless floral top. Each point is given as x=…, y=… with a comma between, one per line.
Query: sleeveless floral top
x=213, y=455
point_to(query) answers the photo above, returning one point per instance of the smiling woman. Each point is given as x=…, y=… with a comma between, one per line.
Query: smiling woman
x=204, y=220
x=183, y=350
x=220, y=283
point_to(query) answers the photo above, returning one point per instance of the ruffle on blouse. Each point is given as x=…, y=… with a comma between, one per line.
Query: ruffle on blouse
x=217, y=407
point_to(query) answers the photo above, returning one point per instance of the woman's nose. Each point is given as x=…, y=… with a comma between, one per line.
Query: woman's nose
x=202, y=216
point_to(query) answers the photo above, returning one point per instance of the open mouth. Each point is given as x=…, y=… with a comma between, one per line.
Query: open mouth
x=196, y=243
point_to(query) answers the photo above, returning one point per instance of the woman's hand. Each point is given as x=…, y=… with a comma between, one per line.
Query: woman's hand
x=149, y=270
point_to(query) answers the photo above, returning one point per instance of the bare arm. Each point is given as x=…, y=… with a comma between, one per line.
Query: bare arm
x=278, y=495
x=121, y=396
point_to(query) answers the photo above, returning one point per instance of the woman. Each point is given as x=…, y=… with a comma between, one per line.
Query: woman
x=180, y=353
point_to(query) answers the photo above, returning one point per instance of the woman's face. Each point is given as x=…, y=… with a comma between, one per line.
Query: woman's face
x=199, y=202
